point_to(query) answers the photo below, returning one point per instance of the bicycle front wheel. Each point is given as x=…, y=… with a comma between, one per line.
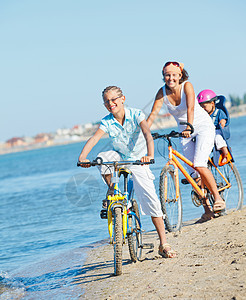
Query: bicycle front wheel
x=134, y=237
x=233, y=195
x=171, y=207
x=118, y=241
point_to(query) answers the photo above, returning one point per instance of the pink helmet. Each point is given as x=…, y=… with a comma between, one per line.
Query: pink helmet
x=206, y=96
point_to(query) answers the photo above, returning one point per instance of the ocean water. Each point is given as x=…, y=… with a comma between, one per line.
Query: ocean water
x=49, y=215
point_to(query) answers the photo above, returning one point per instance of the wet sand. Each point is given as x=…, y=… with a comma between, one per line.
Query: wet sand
x=211, y=264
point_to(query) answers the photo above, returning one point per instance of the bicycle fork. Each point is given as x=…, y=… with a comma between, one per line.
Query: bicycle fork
x=117, y=201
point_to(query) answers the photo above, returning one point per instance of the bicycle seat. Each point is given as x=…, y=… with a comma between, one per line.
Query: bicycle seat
x=124, y=171
x=220, y=104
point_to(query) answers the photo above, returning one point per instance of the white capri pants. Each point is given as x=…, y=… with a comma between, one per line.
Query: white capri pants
x=219, y=140
x=142, y=182
x=199, y=151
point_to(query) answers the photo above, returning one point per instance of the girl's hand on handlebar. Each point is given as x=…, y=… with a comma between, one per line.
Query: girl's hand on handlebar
x=186, y=133
x=85, y=161
x=146, y=158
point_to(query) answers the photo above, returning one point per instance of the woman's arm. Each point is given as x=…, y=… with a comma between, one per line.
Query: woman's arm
x=149, y=141
x=190, y=103
x=156, y=107
x=90, y=144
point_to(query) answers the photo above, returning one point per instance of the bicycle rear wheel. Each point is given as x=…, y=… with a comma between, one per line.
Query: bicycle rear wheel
x=118, y=241
x=171, y=208
x=233, y=196
x=134, y=237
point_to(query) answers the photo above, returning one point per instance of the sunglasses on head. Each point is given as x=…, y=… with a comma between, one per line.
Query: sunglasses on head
x=175, y=63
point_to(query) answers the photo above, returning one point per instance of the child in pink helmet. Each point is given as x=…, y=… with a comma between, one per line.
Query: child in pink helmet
x=207, y=99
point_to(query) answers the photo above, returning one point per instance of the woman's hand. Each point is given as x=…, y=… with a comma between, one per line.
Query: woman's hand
x=146, y=158
x=186, y=133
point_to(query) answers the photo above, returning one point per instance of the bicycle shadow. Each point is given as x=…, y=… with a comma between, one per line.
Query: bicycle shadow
x=97, y=271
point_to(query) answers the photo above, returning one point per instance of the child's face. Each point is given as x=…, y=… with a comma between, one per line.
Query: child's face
x=208, y=106
x=113, y=102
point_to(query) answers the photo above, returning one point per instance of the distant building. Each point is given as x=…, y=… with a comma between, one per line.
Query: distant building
x=15, y=141
x=41, y=138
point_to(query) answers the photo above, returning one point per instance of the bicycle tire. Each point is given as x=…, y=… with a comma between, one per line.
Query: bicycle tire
x=118, y=241
x=134, y=237
x=233, y=196
x=171, y=208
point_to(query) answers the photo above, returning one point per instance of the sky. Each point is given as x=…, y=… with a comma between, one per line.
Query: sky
x=57, y=56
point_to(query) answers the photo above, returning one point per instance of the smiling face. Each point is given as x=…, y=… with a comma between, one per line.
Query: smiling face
x=114, y=101
x=172, y=78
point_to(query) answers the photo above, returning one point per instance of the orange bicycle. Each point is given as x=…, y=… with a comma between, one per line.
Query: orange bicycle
x=227, y=177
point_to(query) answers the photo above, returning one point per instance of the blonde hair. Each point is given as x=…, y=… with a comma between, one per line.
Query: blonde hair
x=112, y=88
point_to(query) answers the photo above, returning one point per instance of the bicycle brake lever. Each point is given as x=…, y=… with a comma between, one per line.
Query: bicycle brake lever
x=98, y=161
x=191, y=126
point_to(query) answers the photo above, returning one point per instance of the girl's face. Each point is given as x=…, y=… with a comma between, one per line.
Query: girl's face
x=113, y=102
x=172, y=79
x=208, y=106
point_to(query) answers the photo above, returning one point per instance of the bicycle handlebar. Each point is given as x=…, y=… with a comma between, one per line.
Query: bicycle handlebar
x=173, y=134
x=98, y=161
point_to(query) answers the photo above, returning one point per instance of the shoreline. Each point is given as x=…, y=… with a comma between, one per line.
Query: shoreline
x=211, y=264
x=156, y=126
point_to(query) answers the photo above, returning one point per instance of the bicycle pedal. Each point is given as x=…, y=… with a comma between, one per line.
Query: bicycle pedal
x=184, y=181
x=147, y=246
x=103, y=214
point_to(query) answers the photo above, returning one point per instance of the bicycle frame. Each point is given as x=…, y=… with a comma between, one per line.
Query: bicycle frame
x=228, y=185
x=172, y=154
x=122, y=201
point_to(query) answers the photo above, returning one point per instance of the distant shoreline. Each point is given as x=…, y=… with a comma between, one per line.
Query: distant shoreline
x=167, y=123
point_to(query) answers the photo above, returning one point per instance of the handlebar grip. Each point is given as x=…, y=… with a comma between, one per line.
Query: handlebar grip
x=80, y=163
x=139, y=162
x=95, y=162
x=155, y=135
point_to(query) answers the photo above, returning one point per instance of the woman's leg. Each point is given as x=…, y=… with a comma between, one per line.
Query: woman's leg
x=209, y=181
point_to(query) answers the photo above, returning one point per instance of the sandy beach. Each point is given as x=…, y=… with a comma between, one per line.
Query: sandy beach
x=211, y=264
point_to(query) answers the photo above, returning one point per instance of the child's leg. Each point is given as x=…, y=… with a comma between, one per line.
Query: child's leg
x=107, y=172
x=224, y=152
x=145, y=191
x=221, y=145
x=150, y=204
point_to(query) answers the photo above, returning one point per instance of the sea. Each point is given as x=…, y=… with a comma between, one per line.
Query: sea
x=49, y=215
